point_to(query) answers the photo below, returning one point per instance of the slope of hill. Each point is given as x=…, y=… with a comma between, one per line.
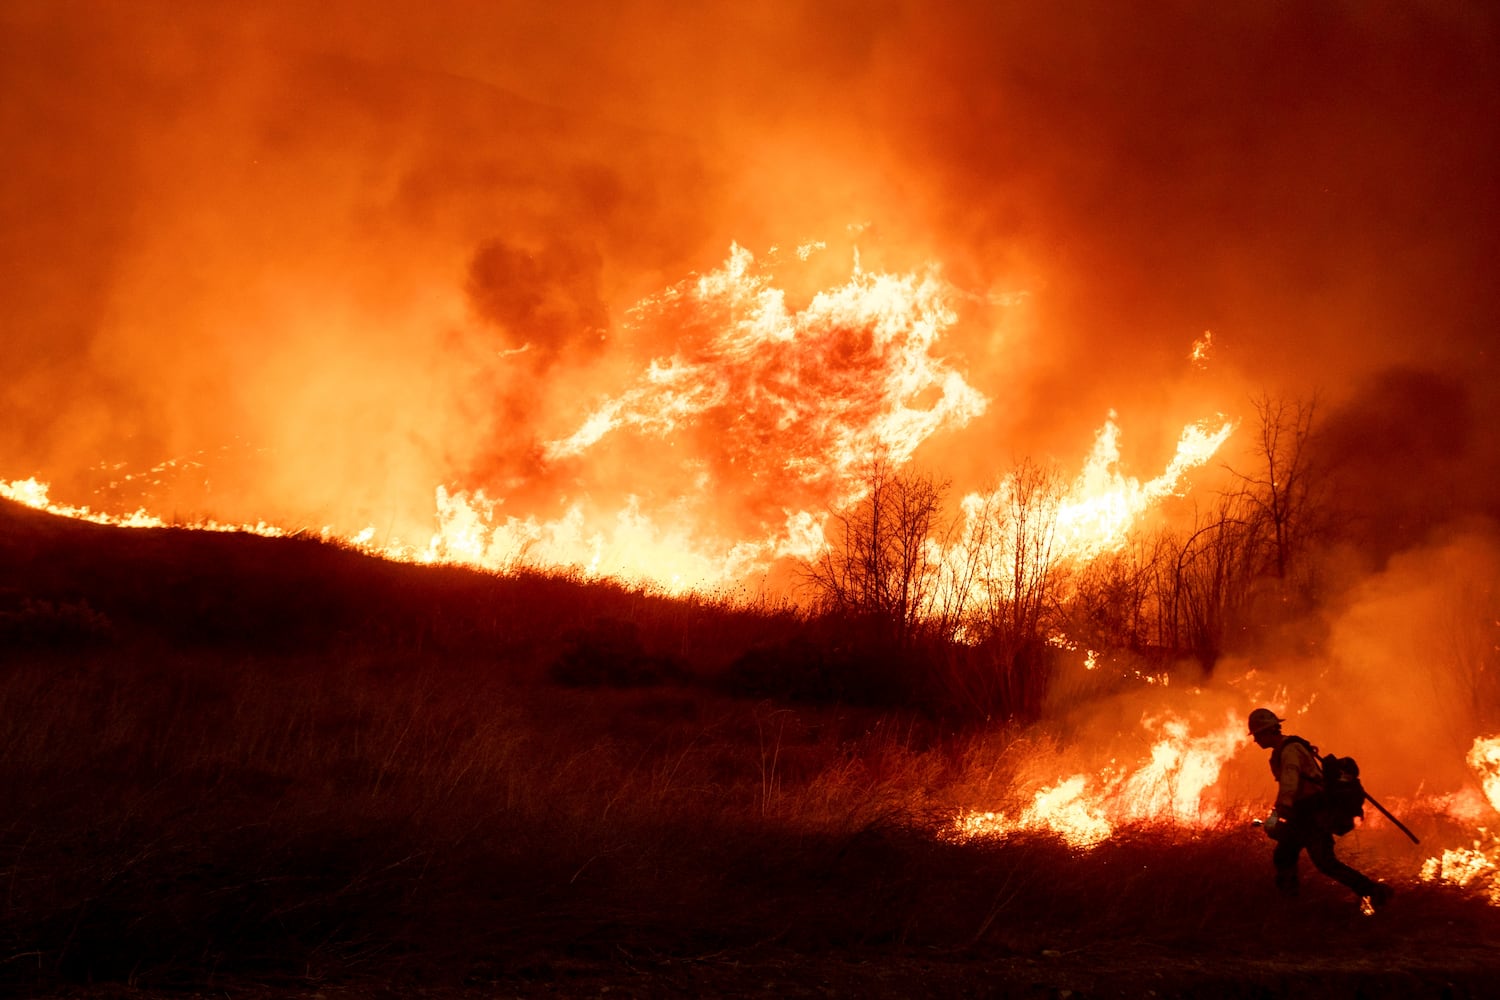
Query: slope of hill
x=239, y=591
x=261, y=767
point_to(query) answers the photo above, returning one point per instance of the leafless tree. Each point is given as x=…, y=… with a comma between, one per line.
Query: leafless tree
x=1284, y=488
x=881, y=561
x=965, y=540
x=1465, y=671
x=1019, y=605
x=1214, y=568
x=1009, y=558
x=1112, y=600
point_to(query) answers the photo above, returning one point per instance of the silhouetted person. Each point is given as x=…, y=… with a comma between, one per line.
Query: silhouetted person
x=1295, y=822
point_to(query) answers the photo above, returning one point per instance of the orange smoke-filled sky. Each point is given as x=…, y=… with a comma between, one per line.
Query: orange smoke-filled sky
x=375, y=248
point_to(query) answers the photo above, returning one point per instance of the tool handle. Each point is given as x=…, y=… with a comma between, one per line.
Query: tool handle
x=1386, y=813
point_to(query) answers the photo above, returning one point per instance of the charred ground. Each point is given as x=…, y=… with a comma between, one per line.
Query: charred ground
x=247, y=766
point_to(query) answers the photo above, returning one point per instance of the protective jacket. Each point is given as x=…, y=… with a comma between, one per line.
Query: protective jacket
x=1299, y=798
x=1298, y=772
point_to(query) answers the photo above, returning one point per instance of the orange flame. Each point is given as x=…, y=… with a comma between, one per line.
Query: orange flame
x=1174, y=785
x=1466, y=866
x=853, y=375
x=1103, y=503
x=1477, y=866
x=1202, y=350
x=36, y=494
x=1484, y=758
x=1092, y=517
x=841, y=380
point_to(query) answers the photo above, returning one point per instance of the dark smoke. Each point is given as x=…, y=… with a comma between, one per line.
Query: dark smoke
x=543, y=302
x=1409, y=453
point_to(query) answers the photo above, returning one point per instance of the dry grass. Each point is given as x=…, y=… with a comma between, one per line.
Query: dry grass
x=402, y=796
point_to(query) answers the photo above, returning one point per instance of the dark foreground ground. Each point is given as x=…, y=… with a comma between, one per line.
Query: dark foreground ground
x=236, y=768
x=1100, y=972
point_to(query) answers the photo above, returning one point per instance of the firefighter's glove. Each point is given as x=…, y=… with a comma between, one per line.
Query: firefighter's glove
x=1272, y=826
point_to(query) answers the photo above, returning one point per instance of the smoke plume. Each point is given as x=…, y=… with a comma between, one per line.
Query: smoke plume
x=333, y=258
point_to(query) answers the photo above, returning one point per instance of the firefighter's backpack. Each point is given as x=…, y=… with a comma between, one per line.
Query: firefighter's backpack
x=1344, y=796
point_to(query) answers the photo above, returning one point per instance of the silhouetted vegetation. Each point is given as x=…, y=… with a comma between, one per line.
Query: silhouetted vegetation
x=971, y=637
x=984, y=591
x=53, y=625
x=239, y=762
x=611, y=653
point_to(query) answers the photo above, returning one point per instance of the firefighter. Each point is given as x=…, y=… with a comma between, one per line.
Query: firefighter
x=1293, y=823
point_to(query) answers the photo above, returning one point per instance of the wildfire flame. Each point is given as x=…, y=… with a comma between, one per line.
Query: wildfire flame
x=1484, y=758
x=836, y=382
x=1104, y=503
x=35, y=493
x=775, y=410
x=1173, y=784
x=1202, y=350
x=1466, y=866
x=1477, y=866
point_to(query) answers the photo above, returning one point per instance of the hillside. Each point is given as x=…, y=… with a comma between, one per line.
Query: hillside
x=262, y=767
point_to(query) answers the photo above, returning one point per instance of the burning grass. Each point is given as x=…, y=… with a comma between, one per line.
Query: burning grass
x=421, y=806
x=193, y=819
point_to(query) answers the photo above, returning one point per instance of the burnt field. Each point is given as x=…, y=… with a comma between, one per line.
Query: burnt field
x=236, y=766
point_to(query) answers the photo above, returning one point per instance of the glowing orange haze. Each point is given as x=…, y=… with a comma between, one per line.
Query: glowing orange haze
x=433, y=247
x=800, y=399
x=858, y=373
x=387, y=259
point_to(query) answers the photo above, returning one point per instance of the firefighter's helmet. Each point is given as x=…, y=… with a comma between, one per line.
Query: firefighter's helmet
x=1262, y=719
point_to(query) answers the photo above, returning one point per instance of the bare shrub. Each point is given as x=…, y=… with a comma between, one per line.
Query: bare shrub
x=609, y=652
x=54, y=624
x=881, y=564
